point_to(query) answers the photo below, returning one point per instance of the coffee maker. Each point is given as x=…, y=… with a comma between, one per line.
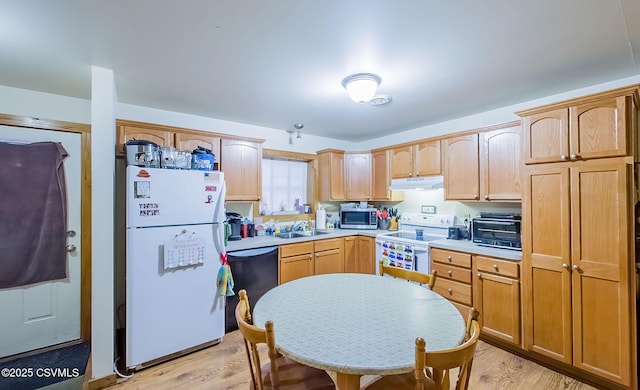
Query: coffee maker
x=235, y=221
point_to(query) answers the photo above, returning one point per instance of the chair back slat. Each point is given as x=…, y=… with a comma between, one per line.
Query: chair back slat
x=410, y=275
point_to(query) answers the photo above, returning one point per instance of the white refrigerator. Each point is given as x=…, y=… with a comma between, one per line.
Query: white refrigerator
x=173, y=243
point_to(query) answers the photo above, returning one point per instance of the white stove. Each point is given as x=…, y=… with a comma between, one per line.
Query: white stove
x=409, y=248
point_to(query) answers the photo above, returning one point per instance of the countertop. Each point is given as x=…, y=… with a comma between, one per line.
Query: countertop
x=469, y=247
x=456, y=245
x=264, y=241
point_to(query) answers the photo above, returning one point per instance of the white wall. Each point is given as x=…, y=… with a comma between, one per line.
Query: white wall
x=103, y=99
x=15, y=101
x=275, y=139
x=488, y=118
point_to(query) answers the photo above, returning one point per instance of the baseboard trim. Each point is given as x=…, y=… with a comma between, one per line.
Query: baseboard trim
x=91, y=383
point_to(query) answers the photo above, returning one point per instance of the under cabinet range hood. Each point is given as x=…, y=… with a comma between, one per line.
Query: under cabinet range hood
x=417, y=183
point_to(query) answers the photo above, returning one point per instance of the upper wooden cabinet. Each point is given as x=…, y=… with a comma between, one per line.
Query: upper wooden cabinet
x=126, y=131
x=381, y=177
x=595, y=126
x=419, y=159
x=483, y=166
x=241, y=161
x=331, y=174
x=189, y=142
x=500, y=164
x=358, y=176
x=461, y=167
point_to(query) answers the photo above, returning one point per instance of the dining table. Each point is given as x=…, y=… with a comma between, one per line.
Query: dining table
x=357, y=324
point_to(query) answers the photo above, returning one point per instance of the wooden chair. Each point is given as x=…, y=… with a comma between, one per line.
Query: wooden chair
x=280, y=372
x=413, y=276
x=432, y=368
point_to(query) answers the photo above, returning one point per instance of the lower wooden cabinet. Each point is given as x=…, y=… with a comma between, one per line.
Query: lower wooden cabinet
x=295, y=261
x=496, y=293
x=310, y=258
x=328, y=256
x=360, y=254
x=454, y=277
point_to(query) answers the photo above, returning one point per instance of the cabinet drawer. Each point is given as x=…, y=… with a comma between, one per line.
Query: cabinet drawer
x=454, y=291
x=451, y=272
x=450, y=257
x=498, y=267
x=296, y=249
x=324, y=245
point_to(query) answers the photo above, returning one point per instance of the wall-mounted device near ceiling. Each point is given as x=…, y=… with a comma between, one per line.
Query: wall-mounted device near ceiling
x=417, y=183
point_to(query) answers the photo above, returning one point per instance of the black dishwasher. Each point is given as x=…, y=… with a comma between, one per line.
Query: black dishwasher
x=254, y=270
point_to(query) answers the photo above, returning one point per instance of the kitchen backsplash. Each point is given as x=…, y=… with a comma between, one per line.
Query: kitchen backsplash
x=414, y=200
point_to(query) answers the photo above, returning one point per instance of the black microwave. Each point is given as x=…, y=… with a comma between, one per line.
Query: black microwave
x=497, y=230
x=358, y=218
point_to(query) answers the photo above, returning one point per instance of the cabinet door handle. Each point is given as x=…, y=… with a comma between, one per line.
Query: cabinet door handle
x=563, y=156
x=479, y=275
x=575, y=267
x=450, y=290
x=476, y=197
x=565, y=265
x=449, y=258
x=486, y=197
x=410, y=174
x=495, y=266
x=574, y=156
x=450, y=273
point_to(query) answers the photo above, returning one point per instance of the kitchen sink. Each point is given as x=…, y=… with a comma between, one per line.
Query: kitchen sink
x=300, y=233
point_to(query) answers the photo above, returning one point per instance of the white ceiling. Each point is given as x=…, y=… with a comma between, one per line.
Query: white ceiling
x=279, y=62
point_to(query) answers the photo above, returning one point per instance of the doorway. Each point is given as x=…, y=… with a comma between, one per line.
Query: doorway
x=53, y=314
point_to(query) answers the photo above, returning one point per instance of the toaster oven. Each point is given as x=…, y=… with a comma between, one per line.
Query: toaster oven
x=497, y=230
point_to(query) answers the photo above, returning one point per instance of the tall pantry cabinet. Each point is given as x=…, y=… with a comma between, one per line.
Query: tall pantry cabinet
x=578, y=233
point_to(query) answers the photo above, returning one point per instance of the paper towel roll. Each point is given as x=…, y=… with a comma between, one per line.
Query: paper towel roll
x=321, y=219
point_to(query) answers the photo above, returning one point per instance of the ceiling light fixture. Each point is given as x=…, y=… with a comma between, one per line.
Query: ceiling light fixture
x=361, y=87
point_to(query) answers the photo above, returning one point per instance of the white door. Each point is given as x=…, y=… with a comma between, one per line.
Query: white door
x=45, y=314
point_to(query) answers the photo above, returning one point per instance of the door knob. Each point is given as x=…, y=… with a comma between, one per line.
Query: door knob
x=71, y=233
x=71, y=248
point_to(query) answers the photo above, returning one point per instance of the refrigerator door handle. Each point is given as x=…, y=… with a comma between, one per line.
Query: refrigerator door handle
x=218, y=234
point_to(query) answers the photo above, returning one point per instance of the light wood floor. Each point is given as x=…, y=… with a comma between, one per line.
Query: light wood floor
x=224, y=366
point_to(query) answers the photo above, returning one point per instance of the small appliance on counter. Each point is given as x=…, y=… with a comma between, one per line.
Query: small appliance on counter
x=235, y=222
x=501, y=230
x=142, y=153
x=458, y=233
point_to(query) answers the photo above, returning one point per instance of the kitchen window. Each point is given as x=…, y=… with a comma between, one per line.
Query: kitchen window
x=284, y=186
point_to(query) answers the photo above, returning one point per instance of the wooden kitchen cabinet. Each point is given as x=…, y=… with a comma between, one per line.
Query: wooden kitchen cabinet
x=329, y=256
x=381, y=177
x=241, y=161
x=331, y=174
x=190, y=141
x=578, y=265
x=500, y=164
x=357, y=170
x=127, y=131
x=461, y=167
x=295, y=261
x=419, y=159
x=578, y=255
x=496, y=295
x=483, y=166
x=594, y=126
x=360, y=254
x=454, y=277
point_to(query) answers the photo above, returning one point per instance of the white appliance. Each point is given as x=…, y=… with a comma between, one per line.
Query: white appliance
x=174, y=240
x=405, y=248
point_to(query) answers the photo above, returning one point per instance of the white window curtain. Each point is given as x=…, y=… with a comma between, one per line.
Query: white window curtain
x=284, y=187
